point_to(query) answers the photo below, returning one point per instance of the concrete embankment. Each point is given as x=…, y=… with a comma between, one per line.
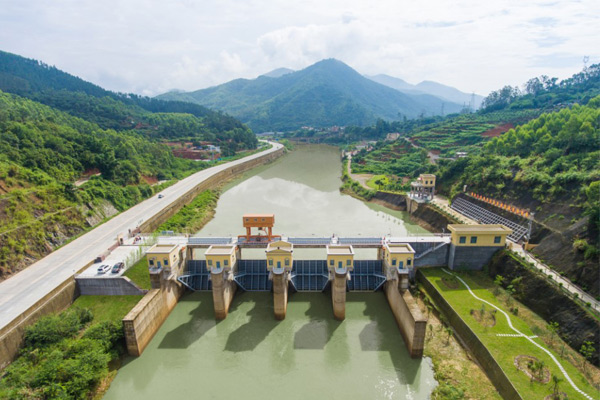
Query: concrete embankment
x=64, y=293
x=410, y=319
x=472, y=342
x=143, y=321
x=117, y=286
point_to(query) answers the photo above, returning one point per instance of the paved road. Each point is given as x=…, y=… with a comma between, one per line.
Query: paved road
x=362, y=179
x=24, y=289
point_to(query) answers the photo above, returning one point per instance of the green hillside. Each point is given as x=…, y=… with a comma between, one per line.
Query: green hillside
x=325, y=94
x=153, y=118
x=72, y=154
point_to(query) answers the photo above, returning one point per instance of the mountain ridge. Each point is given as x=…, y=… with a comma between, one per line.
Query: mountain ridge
x=326, y=93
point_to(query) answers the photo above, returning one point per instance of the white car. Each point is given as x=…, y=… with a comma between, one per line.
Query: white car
x=103, y=269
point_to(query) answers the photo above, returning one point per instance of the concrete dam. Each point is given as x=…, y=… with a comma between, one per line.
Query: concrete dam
x=223, y=271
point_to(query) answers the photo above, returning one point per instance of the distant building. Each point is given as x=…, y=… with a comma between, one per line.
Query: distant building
x=423, y=188
x=392, y=137
x=461, y=154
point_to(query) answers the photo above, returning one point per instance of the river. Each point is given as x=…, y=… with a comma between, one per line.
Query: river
x=309, y=355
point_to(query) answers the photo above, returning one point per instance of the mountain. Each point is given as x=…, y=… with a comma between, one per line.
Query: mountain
x=154, y=118
x=278, y=73
x=324, y=94
x=429, y=87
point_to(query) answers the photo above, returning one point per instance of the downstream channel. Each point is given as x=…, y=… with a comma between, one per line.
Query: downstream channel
x=309, y=355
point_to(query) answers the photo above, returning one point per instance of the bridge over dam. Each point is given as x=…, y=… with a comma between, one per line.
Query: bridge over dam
x=222, y=270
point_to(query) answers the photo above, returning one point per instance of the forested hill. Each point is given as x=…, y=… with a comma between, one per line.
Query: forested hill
x=151, y=117
x=545, y=92
x=324, y=94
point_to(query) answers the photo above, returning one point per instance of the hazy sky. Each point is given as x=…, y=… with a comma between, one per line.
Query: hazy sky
x=149, y=47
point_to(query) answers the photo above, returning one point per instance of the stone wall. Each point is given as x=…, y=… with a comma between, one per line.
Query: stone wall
x=143, y=321
x=117, y=286
x=470, y=257
x=473, y=344
x=390, y=200
x=11, y=336
x=410, y=319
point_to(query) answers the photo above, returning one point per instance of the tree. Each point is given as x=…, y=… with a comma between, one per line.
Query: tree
x=449, y=332
x=555, y=387
x=499, y=281
x=553, y=329
x=587, y=350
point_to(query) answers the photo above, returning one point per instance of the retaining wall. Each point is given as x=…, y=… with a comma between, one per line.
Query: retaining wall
x=117, y=286
x=469, y=257
x=410, y=319
x=11, y=336
x=143, y=321
x=474, y=345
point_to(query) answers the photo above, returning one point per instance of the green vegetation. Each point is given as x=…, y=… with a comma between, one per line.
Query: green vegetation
x=190, y=218
x=56, y=129
x=352, y=187
x=325, y=94
x=107, y=308
x=506, y=349
x=65, y=356
x=458, y=376
x=547, y=92
x=138, y=273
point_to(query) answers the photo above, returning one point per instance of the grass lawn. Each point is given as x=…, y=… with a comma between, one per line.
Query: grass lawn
x=138, y=273
x=107, y=308
x=371, y=182
x=505, y=349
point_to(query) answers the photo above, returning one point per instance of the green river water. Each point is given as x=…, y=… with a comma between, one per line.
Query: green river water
x=309, y=355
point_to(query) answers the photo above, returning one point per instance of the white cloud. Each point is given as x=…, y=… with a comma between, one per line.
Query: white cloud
x=152, y=46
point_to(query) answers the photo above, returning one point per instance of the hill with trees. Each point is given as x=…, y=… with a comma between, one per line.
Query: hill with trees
x=72, y=154
x=325, y=94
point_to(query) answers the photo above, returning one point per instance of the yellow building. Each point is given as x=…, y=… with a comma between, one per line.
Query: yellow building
x=423, y=188
x=220, y=257
x=479, y=235
x=279, y=255
x=163, y=256
x=340, y=257
x=398, y=256
x=428, y=180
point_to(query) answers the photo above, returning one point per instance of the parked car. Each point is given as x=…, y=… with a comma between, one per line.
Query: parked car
x=104, y=268
x=160, y=196
x=117, y=267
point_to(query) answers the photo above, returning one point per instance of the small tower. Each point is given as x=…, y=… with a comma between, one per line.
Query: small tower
x=340, y=261
x=279, y=263
x=398, y=262
x=264, y=222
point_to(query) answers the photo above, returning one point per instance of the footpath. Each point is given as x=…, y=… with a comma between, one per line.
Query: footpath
x=518, y=249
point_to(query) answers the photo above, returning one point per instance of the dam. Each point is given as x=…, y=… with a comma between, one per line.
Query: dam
x=309, y=353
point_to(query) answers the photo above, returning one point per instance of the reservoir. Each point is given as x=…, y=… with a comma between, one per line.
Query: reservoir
x=309, y=355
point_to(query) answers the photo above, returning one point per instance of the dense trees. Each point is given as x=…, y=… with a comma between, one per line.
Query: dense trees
x=58, y=362
x=547, y=92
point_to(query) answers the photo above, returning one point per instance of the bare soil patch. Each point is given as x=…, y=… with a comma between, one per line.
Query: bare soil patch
x=497, y=131
x=526, y=364
x=484, y=317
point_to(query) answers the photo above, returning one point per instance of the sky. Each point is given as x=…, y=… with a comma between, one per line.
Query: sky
x=153, y=46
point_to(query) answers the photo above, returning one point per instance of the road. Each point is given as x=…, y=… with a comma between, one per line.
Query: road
x=23, y=290
x=362, y=179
